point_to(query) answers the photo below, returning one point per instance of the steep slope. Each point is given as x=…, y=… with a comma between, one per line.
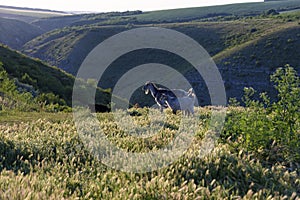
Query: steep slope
x=240, y=47
x=16, y=33
x=48, y=24
x=66, y=48
x=250, y=64
x=42, y=77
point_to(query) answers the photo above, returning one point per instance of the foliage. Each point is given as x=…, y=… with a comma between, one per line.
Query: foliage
x=52, y=103
x=286, y=111
x=258, y=158
x=271, y=12
x=44, y=78
x=52, y=81
x=271, y=129
x=50, y=98
x=11, y=98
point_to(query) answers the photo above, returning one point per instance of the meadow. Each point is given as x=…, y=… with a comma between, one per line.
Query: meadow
x=256, y=155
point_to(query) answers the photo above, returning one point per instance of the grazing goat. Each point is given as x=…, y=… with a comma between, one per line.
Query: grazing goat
x=157, y=93
x=185, y=103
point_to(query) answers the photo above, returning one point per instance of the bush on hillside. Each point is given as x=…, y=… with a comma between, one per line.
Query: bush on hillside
x=271, y=129
x=11, y=98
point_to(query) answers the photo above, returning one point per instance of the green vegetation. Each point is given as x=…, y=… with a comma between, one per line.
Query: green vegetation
x=11, y=117
x=246, y=50
x=10, y=97
x=215, y=12
x=42, y=77
x=211, y=13
x=23, y=97
x=257, y=156
x=271, y=129
x=52, y=86
x=247, y=41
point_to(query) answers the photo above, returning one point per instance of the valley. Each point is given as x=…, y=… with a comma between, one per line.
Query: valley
x=57, y=145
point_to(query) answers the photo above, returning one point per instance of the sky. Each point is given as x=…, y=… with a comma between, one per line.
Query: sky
x=116, y=5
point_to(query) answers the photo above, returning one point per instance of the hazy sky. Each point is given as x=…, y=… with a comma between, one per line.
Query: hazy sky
x=116, y=5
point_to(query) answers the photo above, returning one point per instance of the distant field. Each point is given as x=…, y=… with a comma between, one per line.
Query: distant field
x=27, y=15
x=231, y=9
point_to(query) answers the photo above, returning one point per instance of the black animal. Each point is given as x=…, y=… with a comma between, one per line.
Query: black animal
x=158, y=93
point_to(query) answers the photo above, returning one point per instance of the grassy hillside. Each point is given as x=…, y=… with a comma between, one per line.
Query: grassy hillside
x=211, y=13
x=52, y=23
x=251, y=63
x=256, y=151
x=15, y=33
x=48, y=159
x=42, y=77
x=242, y=48
x=242, y=9
x=66, y=48
x=16, y=26
x=222, y=36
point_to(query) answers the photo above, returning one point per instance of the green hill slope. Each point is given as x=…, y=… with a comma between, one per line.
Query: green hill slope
x=250, y=64
x=167, y=16
x=242, y=9
x=225, y=41
x=52, y=23
x=42, y=77
x=66, y=48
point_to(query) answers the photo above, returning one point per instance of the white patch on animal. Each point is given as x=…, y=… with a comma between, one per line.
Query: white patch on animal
x=184, y=103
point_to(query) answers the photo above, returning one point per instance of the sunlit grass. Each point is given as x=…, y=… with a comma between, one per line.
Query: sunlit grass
x=43, y=157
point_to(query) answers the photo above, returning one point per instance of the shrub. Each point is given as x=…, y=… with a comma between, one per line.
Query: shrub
x=50, y=98
x=271, y=12
x=27, y=79
x=286, y=111
x=270, y=129
x=13, y=99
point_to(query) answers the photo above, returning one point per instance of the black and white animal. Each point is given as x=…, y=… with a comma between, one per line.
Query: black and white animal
x=158, y=93
x=185, y=103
